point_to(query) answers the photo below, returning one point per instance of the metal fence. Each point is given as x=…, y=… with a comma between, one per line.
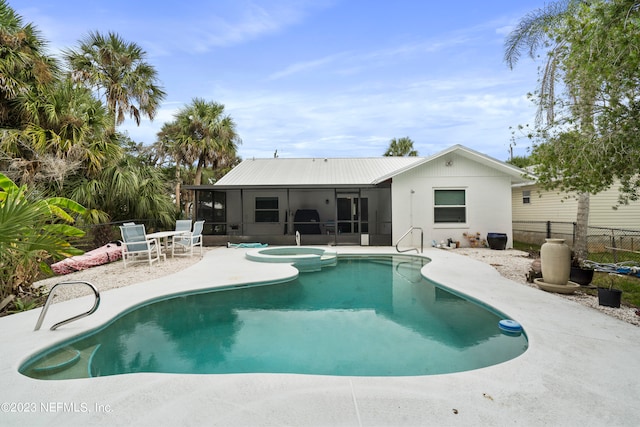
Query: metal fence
x=100, y=234
x=603, y=243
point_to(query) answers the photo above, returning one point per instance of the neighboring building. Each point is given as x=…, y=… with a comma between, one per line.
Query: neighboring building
x=360, y=201
x=533, y=205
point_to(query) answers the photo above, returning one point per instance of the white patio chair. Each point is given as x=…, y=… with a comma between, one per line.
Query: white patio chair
x=186, y=242
x=135, y=245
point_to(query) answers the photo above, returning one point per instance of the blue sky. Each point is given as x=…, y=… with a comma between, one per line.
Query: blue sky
x=323, y=78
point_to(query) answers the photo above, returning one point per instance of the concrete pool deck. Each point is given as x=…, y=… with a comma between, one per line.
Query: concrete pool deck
x=581, y=367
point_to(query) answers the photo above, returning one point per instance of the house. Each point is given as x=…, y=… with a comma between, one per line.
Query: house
x=360, y=201
x=532, y=206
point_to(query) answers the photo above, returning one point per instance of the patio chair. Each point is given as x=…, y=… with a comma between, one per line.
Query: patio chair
x=135, y=245
x=183, y=225
x=186, y=242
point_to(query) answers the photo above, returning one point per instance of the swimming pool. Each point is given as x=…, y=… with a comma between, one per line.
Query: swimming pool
x=366, y=316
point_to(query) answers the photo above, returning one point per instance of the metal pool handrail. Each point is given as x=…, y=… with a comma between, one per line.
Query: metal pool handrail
x=412, y=249
x=71, y=319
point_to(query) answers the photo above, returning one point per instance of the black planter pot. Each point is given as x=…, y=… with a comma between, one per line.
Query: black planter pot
x=581, y=276
x=497, y=240
x=609, y=297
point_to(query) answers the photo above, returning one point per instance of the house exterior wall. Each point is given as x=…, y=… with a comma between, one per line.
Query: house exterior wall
x=251, y=227
x=488, y=201
x=554, y=206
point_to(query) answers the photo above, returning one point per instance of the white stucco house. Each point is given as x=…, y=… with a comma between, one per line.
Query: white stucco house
x=361, y=201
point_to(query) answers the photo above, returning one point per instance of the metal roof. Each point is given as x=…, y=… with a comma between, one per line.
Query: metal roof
x=315, y=172
x=343, y=172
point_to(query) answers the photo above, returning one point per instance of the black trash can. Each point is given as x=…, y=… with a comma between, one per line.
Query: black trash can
x=497, y=241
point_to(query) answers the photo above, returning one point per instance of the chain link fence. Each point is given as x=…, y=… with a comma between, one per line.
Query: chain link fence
x=98, y=235
x=604, y=244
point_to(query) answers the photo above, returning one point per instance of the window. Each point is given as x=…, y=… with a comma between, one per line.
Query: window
x=450, y=206
x=211, y=207
x=526, y=197
x=267, y=209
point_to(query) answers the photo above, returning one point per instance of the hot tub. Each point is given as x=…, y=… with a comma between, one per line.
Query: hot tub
x=304, y=258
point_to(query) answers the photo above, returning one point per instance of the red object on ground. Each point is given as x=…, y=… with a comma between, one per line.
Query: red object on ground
x=102, y=255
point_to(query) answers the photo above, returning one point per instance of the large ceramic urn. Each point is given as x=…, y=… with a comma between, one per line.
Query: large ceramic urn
x=555, y=257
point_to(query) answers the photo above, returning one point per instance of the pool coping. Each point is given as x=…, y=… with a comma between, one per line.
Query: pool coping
x=569, y=375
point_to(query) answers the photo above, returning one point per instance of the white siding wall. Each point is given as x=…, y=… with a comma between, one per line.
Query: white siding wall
x=488, y=200
x=552, y=206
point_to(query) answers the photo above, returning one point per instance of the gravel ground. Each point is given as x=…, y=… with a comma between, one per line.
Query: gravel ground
x=512, y=264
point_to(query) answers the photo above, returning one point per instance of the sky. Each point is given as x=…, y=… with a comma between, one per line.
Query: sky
x=323, y=78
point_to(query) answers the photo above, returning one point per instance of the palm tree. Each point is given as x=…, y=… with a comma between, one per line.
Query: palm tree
x=401, y=147
x=202, y=135
x=76, y=130
x=119, y=70
x=535, y=31
x=169, y=149
x=127, y=190
x=24, y=67
x=69, y=132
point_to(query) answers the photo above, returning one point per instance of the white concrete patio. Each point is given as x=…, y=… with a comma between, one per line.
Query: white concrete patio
x=580, y=369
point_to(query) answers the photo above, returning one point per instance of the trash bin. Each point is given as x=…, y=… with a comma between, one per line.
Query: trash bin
x=497, y=241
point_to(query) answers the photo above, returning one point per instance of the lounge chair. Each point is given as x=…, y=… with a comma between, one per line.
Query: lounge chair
x=135, y=245
x=187, y=241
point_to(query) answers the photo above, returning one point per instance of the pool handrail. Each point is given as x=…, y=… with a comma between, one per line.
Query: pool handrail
x=412, y=249
x=96, y=303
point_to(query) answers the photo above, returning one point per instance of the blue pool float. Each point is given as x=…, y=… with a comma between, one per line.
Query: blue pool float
x=509, y=325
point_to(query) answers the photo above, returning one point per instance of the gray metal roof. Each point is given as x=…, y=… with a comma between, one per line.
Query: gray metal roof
x=344, y=172
x=315, y=172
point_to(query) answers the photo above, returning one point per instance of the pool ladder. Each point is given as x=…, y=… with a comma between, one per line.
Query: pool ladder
x=96, y=303
x=412, y=249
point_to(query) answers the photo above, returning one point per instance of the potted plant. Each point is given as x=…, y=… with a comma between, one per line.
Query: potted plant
x=609, y=297
x=581, y=273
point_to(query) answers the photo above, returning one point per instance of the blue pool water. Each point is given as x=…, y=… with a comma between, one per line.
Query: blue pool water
x=367, y=316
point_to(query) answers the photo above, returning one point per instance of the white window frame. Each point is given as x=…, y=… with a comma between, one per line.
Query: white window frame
x=436, y=207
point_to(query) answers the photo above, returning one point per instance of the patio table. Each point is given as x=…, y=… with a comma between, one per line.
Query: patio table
x=165, y=236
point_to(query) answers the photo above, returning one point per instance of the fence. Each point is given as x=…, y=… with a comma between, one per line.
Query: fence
x=100, y=234
x=603, y=243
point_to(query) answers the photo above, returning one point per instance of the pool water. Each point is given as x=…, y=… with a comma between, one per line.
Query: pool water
x=367, y=316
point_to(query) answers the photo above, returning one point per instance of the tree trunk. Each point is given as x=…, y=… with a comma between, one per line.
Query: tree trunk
x=197, y=180
x=178, y=187
x=580, y=249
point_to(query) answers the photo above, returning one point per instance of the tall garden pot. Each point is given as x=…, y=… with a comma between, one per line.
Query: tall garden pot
x=555, y=259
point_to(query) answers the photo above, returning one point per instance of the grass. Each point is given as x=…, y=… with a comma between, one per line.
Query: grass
x=629, y=285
